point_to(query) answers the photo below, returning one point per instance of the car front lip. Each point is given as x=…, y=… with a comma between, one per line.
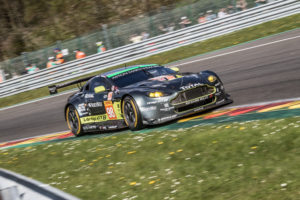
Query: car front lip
x=163, y=115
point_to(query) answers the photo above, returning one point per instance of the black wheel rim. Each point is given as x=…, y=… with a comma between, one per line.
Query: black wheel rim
x=129, y=112
x=73, y=120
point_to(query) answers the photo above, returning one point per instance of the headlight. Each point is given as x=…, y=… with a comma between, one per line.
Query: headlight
x=211, y=78
x=156, y=94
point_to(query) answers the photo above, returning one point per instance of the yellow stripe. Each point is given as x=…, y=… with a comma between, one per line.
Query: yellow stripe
x=79, y=124
x=78, y=119
x=203, y=115
x=278, y=107
x=295, y=106
x=68, y=110
x=135, y=113
x=38, y=139
x=123, y=105
x=191, y=118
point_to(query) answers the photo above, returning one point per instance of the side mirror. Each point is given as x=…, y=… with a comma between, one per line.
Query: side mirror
x=99, y=89
x=176, y=69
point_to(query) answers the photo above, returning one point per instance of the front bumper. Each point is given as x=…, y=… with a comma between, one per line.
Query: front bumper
x=161, y=110
x=168, y=114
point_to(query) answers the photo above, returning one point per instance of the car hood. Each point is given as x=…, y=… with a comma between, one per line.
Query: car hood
x=164, y=83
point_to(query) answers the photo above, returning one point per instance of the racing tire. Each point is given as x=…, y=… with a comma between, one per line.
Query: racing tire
x=132, y=114
x=73, y=121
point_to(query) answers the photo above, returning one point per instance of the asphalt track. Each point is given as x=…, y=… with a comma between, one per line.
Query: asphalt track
x=262, y=70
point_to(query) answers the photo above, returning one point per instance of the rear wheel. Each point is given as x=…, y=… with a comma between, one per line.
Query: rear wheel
x=73, y=120
x=132, y=115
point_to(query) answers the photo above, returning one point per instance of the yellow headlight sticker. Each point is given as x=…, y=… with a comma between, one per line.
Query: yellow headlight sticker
x=211, y=78
x=156, y=94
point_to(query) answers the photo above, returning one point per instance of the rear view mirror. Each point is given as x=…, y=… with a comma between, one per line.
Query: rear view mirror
x=99, y=89
x=176, y=69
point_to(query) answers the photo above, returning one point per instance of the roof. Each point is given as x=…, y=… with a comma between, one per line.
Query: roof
x=126, y=69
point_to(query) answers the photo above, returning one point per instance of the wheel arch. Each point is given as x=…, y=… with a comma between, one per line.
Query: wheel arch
x=134, y=97
x=65, y=110
x=123, y=97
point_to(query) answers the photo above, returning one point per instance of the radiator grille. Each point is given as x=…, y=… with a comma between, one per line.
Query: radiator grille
x=193, y=93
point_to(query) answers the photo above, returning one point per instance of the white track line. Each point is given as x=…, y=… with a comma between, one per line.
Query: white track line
x=223, y=54
x=237, y=51
x=264, y=103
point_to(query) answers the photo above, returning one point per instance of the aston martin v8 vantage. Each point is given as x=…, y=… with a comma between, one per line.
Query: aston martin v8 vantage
x=138, y=96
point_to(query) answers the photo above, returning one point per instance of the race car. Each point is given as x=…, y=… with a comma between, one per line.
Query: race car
x=138, y=96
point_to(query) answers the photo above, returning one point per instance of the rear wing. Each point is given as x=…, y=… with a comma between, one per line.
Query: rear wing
x=53, y=88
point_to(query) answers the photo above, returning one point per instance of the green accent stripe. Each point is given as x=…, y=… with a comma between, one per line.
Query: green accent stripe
x=129, y=69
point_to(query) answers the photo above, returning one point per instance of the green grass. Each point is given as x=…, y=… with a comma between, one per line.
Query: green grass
x=241, y=160
x=248, y=34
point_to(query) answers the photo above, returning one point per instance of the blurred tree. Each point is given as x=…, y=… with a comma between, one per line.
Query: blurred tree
x=27, y=25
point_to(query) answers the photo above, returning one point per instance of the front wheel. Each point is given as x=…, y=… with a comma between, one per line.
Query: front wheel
x=73, y=120
x=132, y=115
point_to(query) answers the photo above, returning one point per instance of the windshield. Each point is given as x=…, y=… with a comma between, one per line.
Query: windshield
x=138, y=75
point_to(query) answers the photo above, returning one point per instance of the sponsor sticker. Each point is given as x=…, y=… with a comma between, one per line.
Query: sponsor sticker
x=112, y=127
x=110, y=110
x=89, y=96
x=221, y=101
x=130, y=71
x=198, y=109
x=197, y=100
x=114, y=88
x=103, y=127
x=109, y=96
x=89, y=127
x=85, y=113
x=81, y=107
x=158, y=85
x=92, y=119
x=164, y=78
x=145, y=109
x=167, y=118
x=157, y=101
x=167, y=109
x=95, y=105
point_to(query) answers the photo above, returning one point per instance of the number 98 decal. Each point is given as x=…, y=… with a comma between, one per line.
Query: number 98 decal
x=110, y=110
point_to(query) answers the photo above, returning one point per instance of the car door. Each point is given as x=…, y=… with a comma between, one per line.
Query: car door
x=94, y=96
x=100, y=103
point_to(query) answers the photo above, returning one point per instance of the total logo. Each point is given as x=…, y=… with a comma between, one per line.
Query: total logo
x=191, y=85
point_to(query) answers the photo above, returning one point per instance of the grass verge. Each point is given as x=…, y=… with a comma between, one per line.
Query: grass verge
x=240, y=160
x=248, y=34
